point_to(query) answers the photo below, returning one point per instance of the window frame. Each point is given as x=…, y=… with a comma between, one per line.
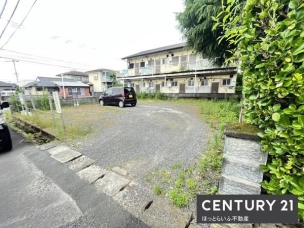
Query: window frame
x=226, y=80
x=205, y=82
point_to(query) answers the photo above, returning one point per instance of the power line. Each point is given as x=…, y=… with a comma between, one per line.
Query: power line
x=42, y=57
x=3, y=8
x=10, y=18
x=22, y=60
x=19, y=24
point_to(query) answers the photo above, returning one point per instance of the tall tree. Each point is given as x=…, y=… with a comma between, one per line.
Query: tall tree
x=196, y=23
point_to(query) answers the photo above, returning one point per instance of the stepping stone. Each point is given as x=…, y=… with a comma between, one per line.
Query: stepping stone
x=92, y=173
x=66, y=155
x=58, y=149
x=111, y=183
x=134, y=198
x=49, y=145
x=161, y=214
x=120, y=171
x=80, y=163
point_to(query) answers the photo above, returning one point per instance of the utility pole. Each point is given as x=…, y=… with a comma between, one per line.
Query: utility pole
x=13, y=60
x=15, y=70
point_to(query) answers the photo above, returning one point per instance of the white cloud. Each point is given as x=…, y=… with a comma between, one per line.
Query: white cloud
x=92, y=32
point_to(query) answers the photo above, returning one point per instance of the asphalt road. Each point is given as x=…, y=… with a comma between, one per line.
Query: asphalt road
x=37, y=191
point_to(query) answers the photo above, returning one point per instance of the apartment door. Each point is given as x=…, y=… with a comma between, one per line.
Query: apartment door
x=214, y=87
x=157, y=66
x=137, y=88
x=182, y=87
x=157, y=87
x=136, y=69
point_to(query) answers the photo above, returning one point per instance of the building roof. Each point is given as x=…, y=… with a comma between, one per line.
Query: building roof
x=54, y=82
x=156, y=50
x=101, y=69
x=74, y=73
x=4, y=84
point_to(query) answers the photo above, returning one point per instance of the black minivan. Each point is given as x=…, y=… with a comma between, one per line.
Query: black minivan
x=118, y=96
x=5, y=136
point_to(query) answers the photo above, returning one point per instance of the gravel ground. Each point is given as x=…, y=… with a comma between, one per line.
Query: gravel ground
x=151, y=136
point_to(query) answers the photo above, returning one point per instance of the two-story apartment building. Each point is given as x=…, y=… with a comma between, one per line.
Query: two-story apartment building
x=100, y=79
x=75, y=75
x=178, y=71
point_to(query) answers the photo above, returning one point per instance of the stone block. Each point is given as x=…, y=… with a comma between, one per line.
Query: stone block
x=92, y=173
x=120, y=171
x=58, y=149
x=243, y=170
x=237, y=186
x=66, y=155
x=49, y=145
x=111, y=183
x=134, y=198
x=242, y=149
x=80, y=163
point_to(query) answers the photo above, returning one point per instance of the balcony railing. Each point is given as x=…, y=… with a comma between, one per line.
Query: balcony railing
x=169, y=68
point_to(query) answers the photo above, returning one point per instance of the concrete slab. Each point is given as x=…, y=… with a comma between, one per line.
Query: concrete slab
x=92, y=173
x=58, y=149
x=49, y=145
x=134, y=198
x=161, y=214
x=111, y=183
x=80, y=163
x=66, y=155
x=120, y=171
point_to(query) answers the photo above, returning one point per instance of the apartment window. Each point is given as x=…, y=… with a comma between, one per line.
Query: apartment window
x=192, y=59
x=144, y=84
x=131, y=65
x=226, y=82
x=165, y=61
x=191, y=82
x=96, y=76
x=204, y=82
x=175, y=60
x=132, y=85
x=142, y=64
x=174, y=83
x=163, y=84
x=151, y=84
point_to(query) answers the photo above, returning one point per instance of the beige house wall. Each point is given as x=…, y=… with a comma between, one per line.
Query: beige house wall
x=166, y=64
x=143, y=84
x=95, y=79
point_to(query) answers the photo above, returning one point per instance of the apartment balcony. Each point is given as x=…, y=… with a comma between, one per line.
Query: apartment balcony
x=169, y=68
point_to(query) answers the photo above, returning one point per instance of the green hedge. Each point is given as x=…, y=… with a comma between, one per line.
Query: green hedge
x=270, y=46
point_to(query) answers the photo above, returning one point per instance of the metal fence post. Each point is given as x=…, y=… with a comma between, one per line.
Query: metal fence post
x=52, y=113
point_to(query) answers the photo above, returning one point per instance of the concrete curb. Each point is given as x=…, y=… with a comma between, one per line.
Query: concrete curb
x=134, y=198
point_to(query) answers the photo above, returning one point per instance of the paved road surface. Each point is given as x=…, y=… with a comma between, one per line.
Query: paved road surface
x=37, y=191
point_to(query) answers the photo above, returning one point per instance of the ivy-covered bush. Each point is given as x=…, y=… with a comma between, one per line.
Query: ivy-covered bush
x=269, y=35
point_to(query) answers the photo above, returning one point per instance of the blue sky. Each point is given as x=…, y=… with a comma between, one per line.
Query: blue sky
x=92, y=33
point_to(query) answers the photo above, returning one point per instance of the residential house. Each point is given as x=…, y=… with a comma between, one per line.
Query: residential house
x=100, y=79
x=75, y=75
x=66, y=87
x=177, y=71
x=7, y=86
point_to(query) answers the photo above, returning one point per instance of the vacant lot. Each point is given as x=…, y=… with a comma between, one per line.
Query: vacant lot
x=166, y=145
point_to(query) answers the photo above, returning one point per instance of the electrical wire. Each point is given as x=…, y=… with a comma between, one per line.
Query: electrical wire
x=22, y=60
x=10, y=18
x=42, y=57
x=3, y=8
x=19, y=24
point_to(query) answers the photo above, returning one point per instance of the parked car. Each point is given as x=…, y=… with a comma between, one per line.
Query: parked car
x=5, y=136
x=118, y=96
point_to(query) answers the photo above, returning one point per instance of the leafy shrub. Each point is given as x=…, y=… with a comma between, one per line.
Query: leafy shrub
x=270, y=44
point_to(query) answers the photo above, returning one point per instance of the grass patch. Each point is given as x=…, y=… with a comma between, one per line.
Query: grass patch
x=203, y=177
x=158, y=190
